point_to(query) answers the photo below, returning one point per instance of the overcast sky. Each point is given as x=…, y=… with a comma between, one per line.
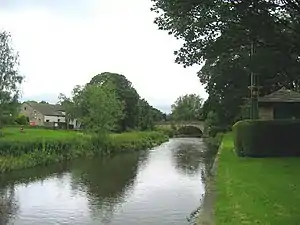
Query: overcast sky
x=63, y=43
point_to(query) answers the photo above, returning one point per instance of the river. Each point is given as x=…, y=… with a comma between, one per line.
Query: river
x=161, y=186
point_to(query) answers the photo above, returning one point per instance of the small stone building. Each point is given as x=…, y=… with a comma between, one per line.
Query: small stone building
x=281, y=104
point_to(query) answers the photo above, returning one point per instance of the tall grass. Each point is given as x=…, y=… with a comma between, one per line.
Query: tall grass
x=40, y=147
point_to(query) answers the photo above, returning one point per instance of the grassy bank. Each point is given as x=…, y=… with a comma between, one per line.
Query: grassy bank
x=19, y=150
x=256, y=190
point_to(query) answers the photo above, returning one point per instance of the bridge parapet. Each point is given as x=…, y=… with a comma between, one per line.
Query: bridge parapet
x=178, y=124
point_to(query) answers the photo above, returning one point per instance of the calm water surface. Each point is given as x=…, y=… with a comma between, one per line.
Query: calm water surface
x=160, y=186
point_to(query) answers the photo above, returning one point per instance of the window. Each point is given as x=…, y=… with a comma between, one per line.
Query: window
x=25, y=108
x=47, y=121
x=58, y=120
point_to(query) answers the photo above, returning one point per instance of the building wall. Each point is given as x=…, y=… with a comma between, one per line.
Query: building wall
x=54, y=119
x=266, y=113
x=34, y=116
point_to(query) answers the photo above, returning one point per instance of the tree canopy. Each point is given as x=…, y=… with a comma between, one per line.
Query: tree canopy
x=125, y=92
x=96, y=107
x=187, y=108
x=219, y=34
x=114, y=97
x=10, y=79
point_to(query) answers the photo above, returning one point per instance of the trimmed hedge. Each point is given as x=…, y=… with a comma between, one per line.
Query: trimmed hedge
x=265, y=138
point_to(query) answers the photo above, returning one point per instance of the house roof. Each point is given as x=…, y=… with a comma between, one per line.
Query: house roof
x=281, y=95
x=47, y=109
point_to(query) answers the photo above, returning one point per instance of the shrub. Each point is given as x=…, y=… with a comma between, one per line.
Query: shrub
x=22, y=120
x=260, y=138
x=166, y=130
x=213, y=125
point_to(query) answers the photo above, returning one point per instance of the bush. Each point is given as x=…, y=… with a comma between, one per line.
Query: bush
x=260, y=138
x=213, y=125
x=22, y=120
x=166, y=130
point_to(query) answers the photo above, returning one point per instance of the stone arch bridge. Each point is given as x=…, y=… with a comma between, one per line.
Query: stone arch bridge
x=179, y=124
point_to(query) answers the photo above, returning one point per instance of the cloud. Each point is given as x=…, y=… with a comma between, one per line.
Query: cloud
x=59, y=51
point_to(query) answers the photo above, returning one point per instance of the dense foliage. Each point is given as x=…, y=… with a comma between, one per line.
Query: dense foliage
x=22, y=120
x=267, y=138
x=109, y=102
x=187, y=108
x=98, y=108
x=9, y=79
x=219, y=35
x=125, y=93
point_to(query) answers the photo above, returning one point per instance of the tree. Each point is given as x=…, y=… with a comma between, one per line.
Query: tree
x=145, y=115
x=219, y=35
x=10, y=79
x=44, y=102
x=125, y=93
x=68, y=106
x=22, y=120
x=187, y=108
x=97, y=107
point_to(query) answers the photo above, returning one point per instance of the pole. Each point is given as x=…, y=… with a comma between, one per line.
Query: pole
x=253, y=87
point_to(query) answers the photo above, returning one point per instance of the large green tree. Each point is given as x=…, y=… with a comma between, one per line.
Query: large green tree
x=126, y=93
x=187, y=108
x=96, y=107
x=219, y=34
x=10, y=79
x=146, y=115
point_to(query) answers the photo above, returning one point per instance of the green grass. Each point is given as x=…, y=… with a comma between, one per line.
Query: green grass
x=15, y=133
x=34, y=147
x=256, y=190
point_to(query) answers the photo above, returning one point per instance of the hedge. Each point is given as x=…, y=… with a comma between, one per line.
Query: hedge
x=266, y=138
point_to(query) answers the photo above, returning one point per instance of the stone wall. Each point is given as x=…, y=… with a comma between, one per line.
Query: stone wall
x=34, y=116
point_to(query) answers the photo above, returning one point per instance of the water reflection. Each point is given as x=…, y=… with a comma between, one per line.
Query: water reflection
x=188, y=154
x=107, y=182
x=160, y=186
x=8, y=205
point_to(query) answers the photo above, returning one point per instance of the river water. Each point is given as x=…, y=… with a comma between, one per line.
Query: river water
x=161, y=186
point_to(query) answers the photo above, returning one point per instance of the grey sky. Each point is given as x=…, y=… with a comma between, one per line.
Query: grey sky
x=63, y=43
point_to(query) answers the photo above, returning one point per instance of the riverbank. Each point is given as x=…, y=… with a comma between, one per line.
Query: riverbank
x=255, y=190
x=33, y=147
x=206, y=213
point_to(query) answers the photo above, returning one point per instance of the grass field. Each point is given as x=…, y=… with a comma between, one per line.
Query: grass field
x=256, y=190
x=14, y=132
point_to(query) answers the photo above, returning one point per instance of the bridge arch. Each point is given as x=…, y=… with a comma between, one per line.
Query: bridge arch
x=189, y=131
x=197, y=124
x=181, y=124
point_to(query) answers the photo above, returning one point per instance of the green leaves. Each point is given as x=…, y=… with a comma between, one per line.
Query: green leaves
x=218, y=34
x=125, y=93
x=9, y=78
x=98, y=107
x=187, y=108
